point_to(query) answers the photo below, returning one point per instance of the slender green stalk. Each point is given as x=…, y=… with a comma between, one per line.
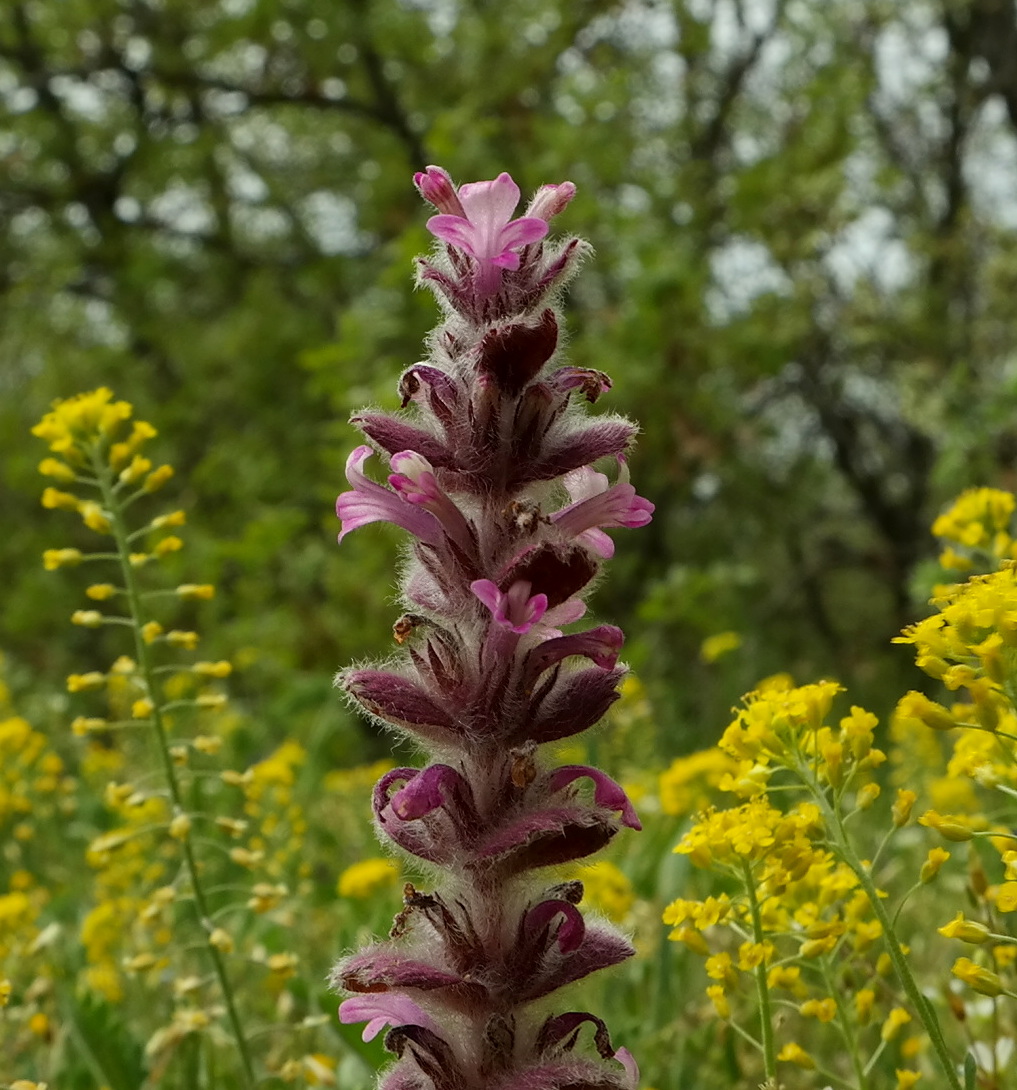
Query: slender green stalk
x=763, y=992
x=847, y=1029
x=921, y=1005
x=104, y=477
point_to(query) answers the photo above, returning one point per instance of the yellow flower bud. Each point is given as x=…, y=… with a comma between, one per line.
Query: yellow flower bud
x=719, y=1000
x=895, y=1019
x=142, y=709
x=865, y=999
x=180, y=827
x=193, y=591
x=59, y=471
x=151, y=631
x=94, y=517
x=83, y=683
x=245, y=857
x=207, y=743
x=211, y=701
x=917, y=706
x=213, y=669
x=55, y=500
x=282, y=965
x=221, y=940
x=965, y=930
x=173, y=518
x=930, y=868
x=100, y=592
x=1006, y=897
x=867, y=795
x=157, y=478
x=186, y=640
x=139, y=560
x=87, y=618
x=61, y=558
x=171, y=544
x=136, y=470
x=902, y=806
x=83, y=725
x=794, y=1053
x=233, y=826
x=948, y=826
x=983, y=981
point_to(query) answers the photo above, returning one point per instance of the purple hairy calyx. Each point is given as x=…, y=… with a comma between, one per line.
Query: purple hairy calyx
x=492, y=472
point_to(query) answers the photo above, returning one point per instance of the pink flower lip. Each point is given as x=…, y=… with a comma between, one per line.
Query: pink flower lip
x=514, y=609
x=383, y=1009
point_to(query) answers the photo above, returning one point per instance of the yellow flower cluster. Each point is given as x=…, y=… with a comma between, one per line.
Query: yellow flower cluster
x=976, y=530
x=690, y=782
x=278, y=822
x=784, y=728
x=970, y=643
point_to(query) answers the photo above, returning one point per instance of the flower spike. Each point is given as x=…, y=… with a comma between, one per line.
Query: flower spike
x=489, y=667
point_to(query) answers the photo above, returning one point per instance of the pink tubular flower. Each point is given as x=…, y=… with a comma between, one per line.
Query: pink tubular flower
x=597, y=504
x=372, y=502
x=514, y=609
x=415, y=481
x=485, y=230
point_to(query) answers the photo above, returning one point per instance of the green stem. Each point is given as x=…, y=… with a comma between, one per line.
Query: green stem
x=763, y=992
x=147, y=668
x=922, y=1007
x=847, y=1030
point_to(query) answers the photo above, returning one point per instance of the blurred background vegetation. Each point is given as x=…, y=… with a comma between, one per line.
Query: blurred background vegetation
x=804, y=214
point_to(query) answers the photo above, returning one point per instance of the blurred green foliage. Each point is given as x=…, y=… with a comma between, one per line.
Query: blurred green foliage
x=804, y=221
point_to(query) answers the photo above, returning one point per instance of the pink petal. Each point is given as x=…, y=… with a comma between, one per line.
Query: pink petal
x=384, y=1009
x=489, y=203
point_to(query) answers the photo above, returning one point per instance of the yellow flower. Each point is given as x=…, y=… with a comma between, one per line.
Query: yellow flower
x=1006, y=897
x=690, y=783
x=895, y=1019
x=282, y=966
x=75, y=425
x=865, y=999
x=607, y=888
x=719, y=999
x=965, y=930
x=221, y=940
x=157, y=478
x=823, y=1009
x=212, y=669
x=795, y=1054
x=930, y=868
x=907, y=1079
x=5, y=991
x=918, y=707
x=951, y=826
x=61, y=558
x=83, y=683
x=171, y=544
x=362, y=880
x=716, y=646
x=196, y=590
x=60, y=471
x=983, y=981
